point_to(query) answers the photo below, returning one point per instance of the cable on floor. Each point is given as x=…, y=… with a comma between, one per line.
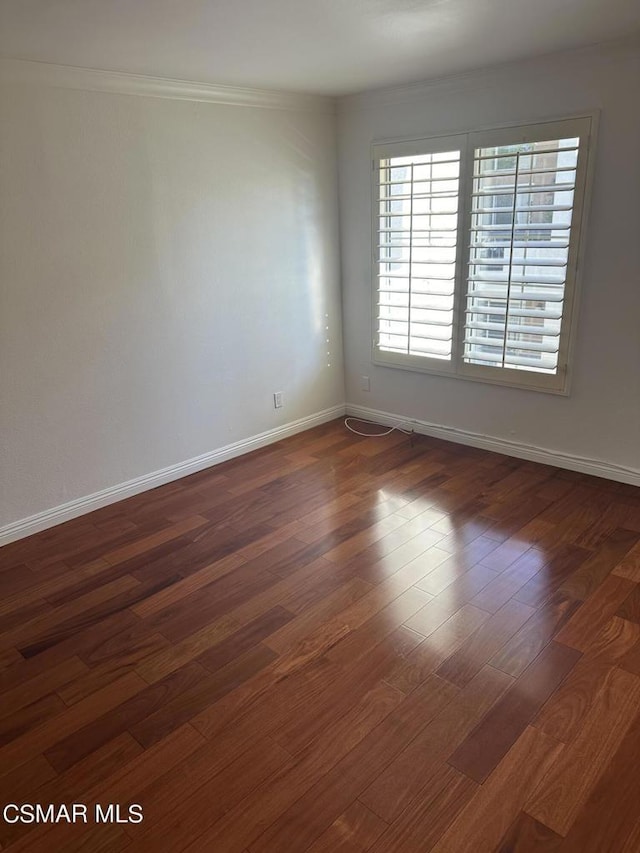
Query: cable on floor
x=391, y=429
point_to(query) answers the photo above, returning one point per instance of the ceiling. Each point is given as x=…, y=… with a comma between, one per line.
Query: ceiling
x=331, y=47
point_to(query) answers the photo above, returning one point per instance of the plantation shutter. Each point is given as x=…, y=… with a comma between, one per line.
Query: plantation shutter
x=522, y=208
x=416, y=232
x=476, y=244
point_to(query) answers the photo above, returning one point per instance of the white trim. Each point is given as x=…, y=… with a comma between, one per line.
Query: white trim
x=94, y=80
x=593, y=467
x=80, y=506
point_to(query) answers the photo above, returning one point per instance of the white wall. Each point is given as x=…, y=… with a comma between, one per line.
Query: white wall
x=165, y=266
x=600, y=420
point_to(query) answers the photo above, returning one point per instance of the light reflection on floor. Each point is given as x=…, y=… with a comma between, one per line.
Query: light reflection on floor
x=468, y=562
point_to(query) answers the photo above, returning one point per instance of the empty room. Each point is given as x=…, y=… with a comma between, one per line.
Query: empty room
x=320, y=426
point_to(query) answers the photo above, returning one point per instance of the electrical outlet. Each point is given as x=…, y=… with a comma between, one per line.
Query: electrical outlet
x=277, y=400
x=365, y=383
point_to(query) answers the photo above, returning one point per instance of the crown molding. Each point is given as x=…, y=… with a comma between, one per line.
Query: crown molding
x=121, y=83
x=481, y=78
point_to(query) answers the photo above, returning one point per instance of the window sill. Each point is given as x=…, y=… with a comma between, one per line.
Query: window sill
x=560, y=389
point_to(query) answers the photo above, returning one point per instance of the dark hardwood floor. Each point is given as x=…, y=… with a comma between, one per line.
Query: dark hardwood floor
x=332, y=644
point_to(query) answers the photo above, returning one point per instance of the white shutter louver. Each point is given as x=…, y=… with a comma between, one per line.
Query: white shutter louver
x=522, y=205
x=417, y=224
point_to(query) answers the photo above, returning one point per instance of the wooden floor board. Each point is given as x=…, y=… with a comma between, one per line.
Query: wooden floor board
x=526, y=834
x=611, y=811
x=484, y=820
x=404, y=779
x=354, y=831
x=527, y=643
x=310, y=815
x=485, y=746
x=478, y=649
x=568, y=784
x=185, y=820
x=333, y=644
x=424, y=821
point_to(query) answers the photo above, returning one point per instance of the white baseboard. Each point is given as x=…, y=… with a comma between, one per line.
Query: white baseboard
x=595, y=467
x=81, y=506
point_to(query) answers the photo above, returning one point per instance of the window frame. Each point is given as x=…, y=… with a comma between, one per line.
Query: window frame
x=585, y=126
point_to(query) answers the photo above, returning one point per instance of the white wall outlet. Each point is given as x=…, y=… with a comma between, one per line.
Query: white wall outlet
x=365, y=383
x=277, y=400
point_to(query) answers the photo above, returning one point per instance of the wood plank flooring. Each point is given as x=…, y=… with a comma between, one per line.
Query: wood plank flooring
x=336, y=644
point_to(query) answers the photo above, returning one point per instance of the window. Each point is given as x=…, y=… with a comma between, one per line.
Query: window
x=476, y=240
